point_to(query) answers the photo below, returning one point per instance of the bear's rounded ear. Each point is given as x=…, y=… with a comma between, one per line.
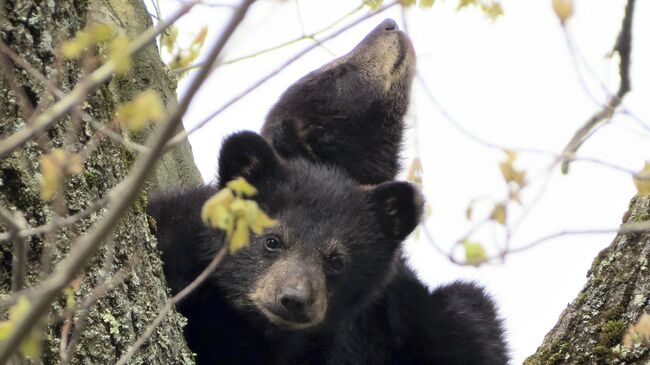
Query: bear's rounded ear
x=399, y=207
x=246, y=154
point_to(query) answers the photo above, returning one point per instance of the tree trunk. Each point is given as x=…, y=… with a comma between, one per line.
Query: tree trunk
x=617, y=293
x=33, y=29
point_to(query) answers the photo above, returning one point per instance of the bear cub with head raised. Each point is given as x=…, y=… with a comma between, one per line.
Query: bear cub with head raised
x=326, y=285
x=349, y=113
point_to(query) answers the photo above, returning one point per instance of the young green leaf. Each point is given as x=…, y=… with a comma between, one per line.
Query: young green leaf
x=639, y=333
x=73, y=48
x=241, y=187
x=240, y=236
x=499, y=213
x=414, y=174
x=373, y=4
x=263, y=221
x=642, y=180
x=118, y=53
x=100, y=32
x=54, y=167
x=184, y=58
x=93, y=34
x=145, y=108
x=31, y=345
x=229, y=211
x=168, y=39
x=563, y=9
x=215, y=208
x=492, y=10
x=509, y=172
x=465, y=3
x=474, y=253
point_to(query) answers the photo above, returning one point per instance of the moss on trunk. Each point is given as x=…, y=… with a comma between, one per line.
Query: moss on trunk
x=33, y=29
x=617, y=292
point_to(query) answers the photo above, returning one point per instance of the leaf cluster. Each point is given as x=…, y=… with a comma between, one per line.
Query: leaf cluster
x=145, y=108
x=230, y=211
x=183, y=57
x=96, y=34
x=30, y=347
x=55, y=166
x=642, y=180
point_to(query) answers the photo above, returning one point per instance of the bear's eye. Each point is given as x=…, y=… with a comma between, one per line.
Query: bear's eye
x=335, y=262
x=272, y=244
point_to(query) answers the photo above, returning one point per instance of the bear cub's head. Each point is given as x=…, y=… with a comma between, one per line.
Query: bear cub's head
x=335, y=245
x=349, y=113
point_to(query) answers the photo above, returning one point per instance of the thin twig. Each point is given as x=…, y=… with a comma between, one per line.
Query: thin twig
x=636, y=227
x=558, y=234
x=24, y=104
x=576, y=56
x=84, y=309
x=447, y=116
x=311, y=36
x=181, y=136
x=27, y=232
x=623, y=47
x=104, y=130
x=172, y=302
x=125, y=192
x=20, y=61
x=435, y=245
x=14, y=224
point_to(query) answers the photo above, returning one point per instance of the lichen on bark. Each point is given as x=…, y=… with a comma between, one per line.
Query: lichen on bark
x=617, y=293
x=33, y=29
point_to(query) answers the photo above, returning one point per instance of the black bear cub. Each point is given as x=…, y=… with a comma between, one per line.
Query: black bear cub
x=349, y=113
x=325, y=285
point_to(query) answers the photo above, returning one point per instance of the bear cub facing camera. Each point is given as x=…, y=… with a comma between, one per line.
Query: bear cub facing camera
x=326, y=285
x=288, y=296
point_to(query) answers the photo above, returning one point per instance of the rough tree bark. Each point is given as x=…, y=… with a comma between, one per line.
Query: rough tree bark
x=617, y=293
x=33, y=29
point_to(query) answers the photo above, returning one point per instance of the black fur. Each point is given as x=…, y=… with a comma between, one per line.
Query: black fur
x=339, y=126
x=377, y=311
x=349, y=113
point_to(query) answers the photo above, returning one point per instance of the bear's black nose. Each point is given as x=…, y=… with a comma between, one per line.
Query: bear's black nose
x=295, y=302
x=389, y=24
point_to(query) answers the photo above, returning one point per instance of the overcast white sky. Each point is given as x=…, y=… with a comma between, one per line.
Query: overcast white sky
x=511, y=82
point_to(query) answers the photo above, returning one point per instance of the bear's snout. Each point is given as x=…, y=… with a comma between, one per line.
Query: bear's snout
x=292, y=304
x=295, y=302
x=290, y=295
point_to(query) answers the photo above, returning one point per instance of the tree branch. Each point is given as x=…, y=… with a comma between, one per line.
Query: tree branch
x=172, y=302
x=623, y=47
x=14, y=225
x=311, y=36
x=84, y=310
x=125, y=193
x=23, y=101
x=178, y=138
x=45, y=228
